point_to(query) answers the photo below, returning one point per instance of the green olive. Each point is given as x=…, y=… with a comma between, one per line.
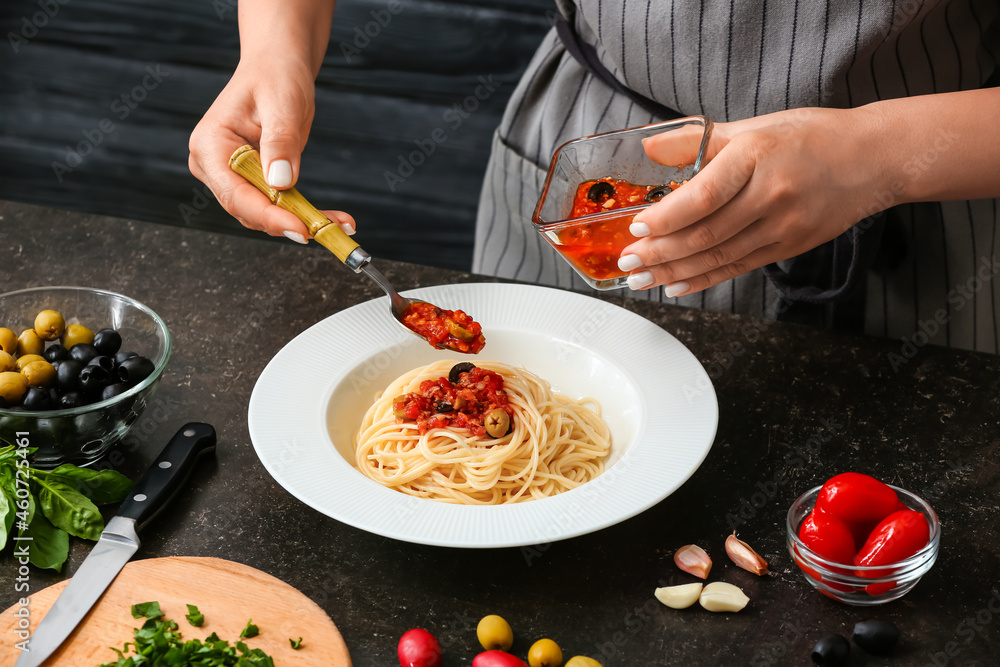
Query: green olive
x=13, y=387
x=39, y=373
x=399, y=413
x=29, y=343
x=458, y=331
x=545, y=653
x=27, y=359
x=497, y=422
x=76, y=334
x=7, y=362
x=494, y=633
x=49, y=324
x=582, y=661
x=8, y=340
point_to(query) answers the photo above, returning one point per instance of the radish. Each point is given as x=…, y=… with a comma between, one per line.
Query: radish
x=419, y=648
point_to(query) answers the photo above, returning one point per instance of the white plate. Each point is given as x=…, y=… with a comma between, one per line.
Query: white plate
x=656, y=397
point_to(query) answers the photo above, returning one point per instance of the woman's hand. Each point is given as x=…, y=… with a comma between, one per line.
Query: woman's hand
x=268, y=104
x=776, y=186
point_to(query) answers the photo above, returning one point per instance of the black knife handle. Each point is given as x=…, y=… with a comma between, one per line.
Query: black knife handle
x=165, y=476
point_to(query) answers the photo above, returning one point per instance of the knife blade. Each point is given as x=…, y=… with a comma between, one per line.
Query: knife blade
x=119, y=540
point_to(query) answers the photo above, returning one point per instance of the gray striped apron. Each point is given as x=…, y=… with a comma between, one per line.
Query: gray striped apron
x=935, y=277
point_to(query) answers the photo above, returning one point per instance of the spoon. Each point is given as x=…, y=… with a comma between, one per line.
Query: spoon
x=246, y=162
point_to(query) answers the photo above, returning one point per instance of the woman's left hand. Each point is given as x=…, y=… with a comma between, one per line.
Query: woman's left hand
x=776, y=186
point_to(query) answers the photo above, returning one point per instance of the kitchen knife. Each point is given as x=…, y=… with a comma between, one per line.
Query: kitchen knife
x=119, y=540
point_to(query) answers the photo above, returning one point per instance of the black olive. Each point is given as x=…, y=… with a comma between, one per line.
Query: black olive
x=68, y=374
x=107, y=363
x=95, y=378
x=107, y=342
x=441, y=406
x=72, y=399
x=82, y=352
x=878, y=637
x=457, y=370
x=658, y=193
x=113, y=390
x=832, y=651
x=135, y=369
x=55, y=352
x=36, y=399
x=123, y=355
x=600, y=191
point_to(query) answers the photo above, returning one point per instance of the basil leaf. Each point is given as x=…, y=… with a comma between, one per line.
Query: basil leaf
x=146, y=610
x=195, y=617
x=250, y=631
x=101, y=486
x=6, y=516
x=70, y=510
x=49, y=545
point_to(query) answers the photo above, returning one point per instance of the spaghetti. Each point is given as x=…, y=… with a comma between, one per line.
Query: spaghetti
x=553, y=443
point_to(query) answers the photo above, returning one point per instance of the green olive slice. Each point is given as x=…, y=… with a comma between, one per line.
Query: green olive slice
x=497, y=422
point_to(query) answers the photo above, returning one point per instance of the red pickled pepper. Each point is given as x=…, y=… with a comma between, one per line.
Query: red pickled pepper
x=896, y=538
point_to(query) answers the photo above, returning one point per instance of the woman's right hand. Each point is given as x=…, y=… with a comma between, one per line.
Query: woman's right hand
x=269, y=105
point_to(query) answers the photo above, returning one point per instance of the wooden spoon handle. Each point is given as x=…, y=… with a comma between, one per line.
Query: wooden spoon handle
x=246, y=162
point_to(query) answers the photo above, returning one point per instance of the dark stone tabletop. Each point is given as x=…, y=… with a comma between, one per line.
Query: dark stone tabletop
x=797, y=405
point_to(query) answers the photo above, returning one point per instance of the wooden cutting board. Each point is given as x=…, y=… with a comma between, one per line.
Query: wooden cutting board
x=227, y=593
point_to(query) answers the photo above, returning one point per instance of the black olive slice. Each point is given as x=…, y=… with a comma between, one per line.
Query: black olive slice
x=658, y=193
x=441, y=406
x=458, y=369
x=600, y=191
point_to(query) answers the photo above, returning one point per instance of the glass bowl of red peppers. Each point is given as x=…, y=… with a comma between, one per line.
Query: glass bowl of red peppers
x=595, y=186
x=860, y=541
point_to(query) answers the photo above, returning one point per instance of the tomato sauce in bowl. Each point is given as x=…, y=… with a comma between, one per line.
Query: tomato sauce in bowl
x=594, y=247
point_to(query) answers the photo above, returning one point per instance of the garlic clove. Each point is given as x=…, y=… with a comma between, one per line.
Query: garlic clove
x=744, y=556
x=679, y=597
x=693, y=560
x=720, y=596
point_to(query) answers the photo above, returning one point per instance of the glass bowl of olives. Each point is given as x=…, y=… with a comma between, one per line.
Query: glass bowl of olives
x=77, y=367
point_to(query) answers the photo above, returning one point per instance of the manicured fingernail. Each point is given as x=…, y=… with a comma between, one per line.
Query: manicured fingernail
x=676, y=289
x=640, y=280
x=295, y=236
x=279, y=175
x=638, y=229
x=629, y=262
x=347, y=228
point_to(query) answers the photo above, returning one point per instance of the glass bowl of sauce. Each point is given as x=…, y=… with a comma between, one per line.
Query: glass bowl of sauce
x=596, y=185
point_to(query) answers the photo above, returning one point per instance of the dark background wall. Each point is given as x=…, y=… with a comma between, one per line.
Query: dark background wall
x=65, y=66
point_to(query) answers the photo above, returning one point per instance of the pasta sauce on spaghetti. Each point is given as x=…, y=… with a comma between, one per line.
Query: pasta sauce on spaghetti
x=441, y=403
x=414, y=440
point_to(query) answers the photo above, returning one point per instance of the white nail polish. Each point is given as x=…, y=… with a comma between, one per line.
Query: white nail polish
x=347, y=228
x=629, y=262
x=638, y=229
x=279, y=175
x=676, y=289
x=295, y=236
x=640, y=280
